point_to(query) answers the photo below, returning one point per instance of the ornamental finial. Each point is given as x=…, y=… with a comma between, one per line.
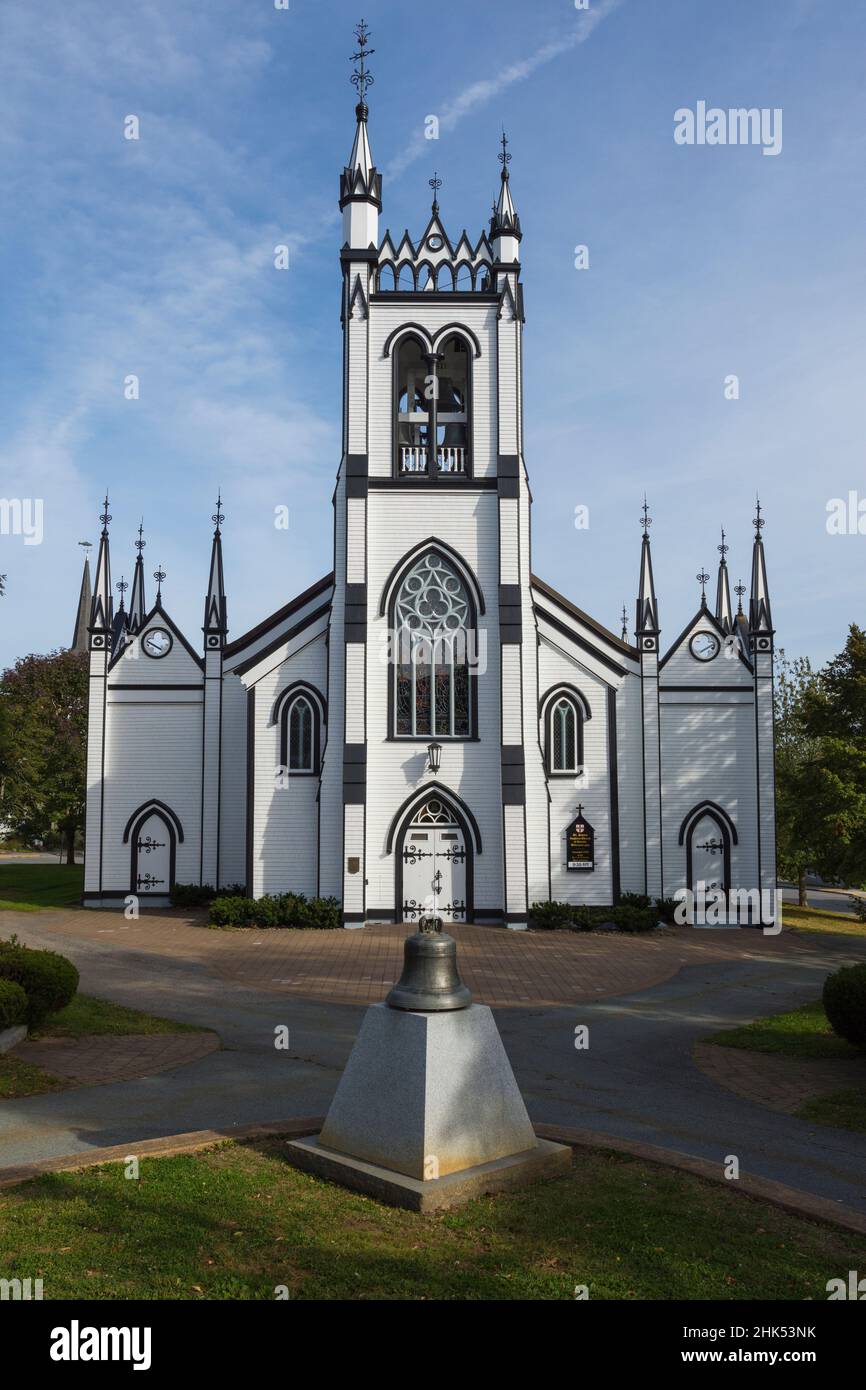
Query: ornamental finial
x=646, y=520
x=723, y=549
x=159, y=576
x=504, y=158
x=105, y=516
x=702, y=580
x=218, y=517
x=624, y=623
x=140, y=544
x=361, y=79
x=435, y=183
x=121, y=586
x=739, y=590
x=757, y=519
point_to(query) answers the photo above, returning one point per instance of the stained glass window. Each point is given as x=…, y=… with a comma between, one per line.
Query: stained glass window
x=563, y=728
x=431, y=619
x=301, y=736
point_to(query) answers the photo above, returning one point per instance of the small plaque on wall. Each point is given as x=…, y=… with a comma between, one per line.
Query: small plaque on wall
x=580, y=844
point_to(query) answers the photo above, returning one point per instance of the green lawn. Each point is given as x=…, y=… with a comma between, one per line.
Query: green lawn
x=813, y=919
x=844, y=1109
x=802, y=1032
x=238, y=1221
x=29, y=887
x=84, y=1017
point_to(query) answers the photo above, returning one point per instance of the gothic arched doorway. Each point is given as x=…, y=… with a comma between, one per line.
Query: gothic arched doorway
x=434, y=864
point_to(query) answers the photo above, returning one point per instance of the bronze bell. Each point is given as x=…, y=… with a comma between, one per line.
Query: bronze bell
x=430, y=982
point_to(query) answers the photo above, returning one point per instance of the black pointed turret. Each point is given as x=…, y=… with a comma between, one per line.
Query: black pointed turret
x=505, y=221
x=137, y=605
x=101, y=609
x=647, y=615
x=760, y=617
x=215, y=624
x=724, y=611
x=85, y=601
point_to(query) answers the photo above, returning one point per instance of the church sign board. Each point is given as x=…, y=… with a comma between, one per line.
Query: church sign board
x=580, y=843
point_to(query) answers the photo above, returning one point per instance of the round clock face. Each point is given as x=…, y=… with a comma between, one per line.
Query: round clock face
x=435, y=243
x=157, y=642
x=704, y=645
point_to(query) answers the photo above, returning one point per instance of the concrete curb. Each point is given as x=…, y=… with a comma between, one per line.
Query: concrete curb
x=789, y=1199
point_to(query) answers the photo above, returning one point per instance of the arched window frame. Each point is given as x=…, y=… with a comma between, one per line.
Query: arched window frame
x=282, y=714
x=581, y=712
x=394, y=346
x=394, y=590
x=386, y=280
x=727, y=830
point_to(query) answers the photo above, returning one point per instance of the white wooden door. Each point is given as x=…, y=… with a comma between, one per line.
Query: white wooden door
x=708, y=855
x=434, y=866
x=152, y=857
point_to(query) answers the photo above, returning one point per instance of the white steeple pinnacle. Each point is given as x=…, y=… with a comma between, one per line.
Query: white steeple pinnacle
x=724, y=611
x=505, y=230
x=360, y=182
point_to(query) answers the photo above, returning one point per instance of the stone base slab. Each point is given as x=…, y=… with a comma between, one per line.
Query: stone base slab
x=545, y=1160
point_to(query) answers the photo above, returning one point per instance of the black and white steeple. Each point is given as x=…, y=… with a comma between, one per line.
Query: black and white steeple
x=760, y=619
x=102, y=608
x=215, y=625
x=724, y=611
x=137, y=604
x=85, y=600
x=360, y=181
x=505, y=233
x=647, y=614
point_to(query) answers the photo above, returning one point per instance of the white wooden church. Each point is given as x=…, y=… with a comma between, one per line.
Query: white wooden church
x=430, y=727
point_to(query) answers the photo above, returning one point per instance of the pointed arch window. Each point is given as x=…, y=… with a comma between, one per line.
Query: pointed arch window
x=432, y=619
x=564, y=716
x=301, y=714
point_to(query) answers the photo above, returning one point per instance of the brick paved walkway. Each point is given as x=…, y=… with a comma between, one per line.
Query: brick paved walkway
x=358, y=967
x=95, y=1061
x=781, y=1083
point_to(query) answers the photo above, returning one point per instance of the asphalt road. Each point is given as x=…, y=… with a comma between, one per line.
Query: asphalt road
x=636, y=1079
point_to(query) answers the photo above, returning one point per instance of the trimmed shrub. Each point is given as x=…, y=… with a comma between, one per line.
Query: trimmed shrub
x=200, y=894
x=666, y=909
x=49, y=980
x=634, y=919
x=634, y=900
x=859, y=908
x=844, y=1000
x=13, y=1004
x=278, y=910
x=547, y=916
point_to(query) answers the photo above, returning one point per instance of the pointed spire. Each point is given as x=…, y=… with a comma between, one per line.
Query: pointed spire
x=647, y=619
x=137, y=605
x=85, y=599
x=215, y=625
x=119, y=626
x=724, y=612
x=760, y=618
x=504, y=221
x=360, y=181
x=101, y=610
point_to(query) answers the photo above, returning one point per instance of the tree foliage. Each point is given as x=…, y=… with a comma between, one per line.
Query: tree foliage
x=43, y=740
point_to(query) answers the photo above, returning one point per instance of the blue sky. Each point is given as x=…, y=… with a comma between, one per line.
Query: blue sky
x=155, y=257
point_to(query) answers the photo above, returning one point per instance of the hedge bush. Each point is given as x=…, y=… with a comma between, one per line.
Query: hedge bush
x=634, y=900
x=13, y=1004
x=49, y=980
x=844, y=1000
x=627, y=916
x=279, y=910
x=200, y=894
x=547, y=916
x=634, y=919
x=666, y=909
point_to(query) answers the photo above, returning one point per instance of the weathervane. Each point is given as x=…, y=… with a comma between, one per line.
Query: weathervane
x=702, y=580
x=646, y=520
x=435, y=183
x=140, y=544
x=361, y=79
x=739, y=590
x=159, y=576
x=88, y=545
x=218, y=517
x=723, y=549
